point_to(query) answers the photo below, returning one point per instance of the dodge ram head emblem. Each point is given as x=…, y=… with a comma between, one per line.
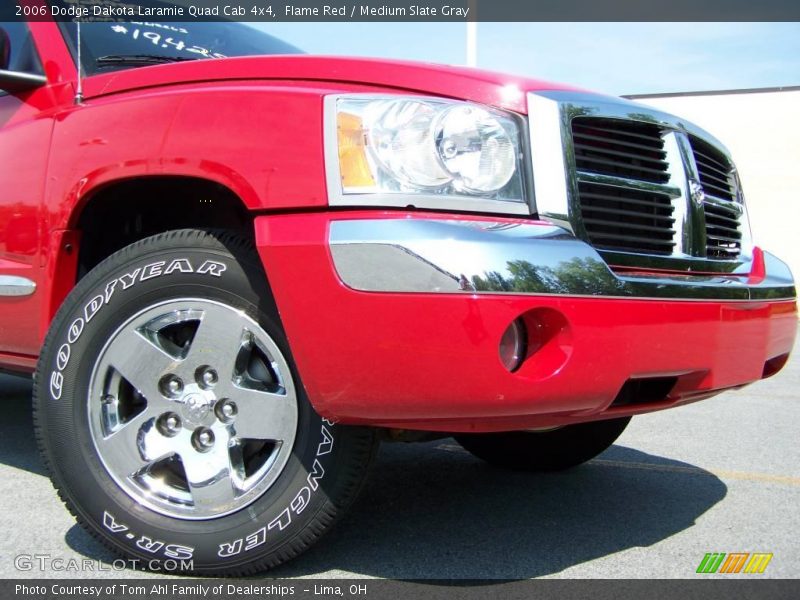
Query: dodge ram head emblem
x=196, y=408
x=696, y=192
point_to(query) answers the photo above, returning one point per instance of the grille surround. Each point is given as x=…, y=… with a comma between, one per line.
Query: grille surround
x=557, y=183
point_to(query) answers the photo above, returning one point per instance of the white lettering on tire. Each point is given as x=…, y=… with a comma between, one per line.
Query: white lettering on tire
x=297, y=505
x=96, y=304
x=111, y=524
x=146, y=543
x=231, y=549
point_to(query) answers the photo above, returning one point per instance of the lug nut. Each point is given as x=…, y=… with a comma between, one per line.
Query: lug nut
x=169, y=424
x=171, y=386
x=207, y=377
x=226, y=410
x=203, y=439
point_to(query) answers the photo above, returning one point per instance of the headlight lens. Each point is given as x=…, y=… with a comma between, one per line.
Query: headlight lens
x=400, y=134
x=475, y=149
x=424, y=146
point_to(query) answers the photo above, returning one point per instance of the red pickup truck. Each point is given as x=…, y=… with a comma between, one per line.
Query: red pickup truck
x=234, y=269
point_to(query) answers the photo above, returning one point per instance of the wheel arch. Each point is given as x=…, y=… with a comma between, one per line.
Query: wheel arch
x=123, y=211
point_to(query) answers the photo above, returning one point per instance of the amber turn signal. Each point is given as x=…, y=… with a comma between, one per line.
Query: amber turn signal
x=352, y=152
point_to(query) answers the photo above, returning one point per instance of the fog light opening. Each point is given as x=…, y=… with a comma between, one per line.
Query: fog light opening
x=513, y=347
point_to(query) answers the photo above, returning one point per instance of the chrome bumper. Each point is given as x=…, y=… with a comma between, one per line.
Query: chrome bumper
x=510, y=257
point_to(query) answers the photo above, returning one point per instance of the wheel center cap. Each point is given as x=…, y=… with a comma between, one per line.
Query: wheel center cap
x=196, y=407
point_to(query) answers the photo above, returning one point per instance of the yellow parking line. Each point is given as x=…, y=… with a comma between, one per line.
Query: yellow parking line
x=744, y=476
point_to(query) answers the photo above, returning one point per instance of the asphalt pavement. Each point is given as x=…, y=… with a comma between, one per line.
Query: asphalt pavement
x=722, y=475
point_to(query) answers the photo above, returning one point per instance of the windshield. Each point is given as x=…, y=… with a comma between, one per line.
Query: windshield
x=106, y=46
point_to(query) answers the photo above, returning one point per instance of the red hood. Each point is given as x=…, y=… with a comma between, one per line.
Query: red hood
x=486, y=87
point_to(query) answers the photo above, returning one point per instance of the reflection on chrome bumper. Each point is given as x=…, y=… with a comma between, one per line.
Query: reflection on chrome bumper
x=452, y=256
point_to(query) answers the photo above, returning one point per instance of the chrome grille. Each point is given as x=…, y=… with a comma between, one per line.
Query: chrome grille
x=721, y=207
x=620, y=166
x=649, y=190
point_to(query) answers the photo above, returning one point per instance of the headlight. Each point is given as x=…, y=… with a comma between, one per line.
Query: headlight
x=413, y=150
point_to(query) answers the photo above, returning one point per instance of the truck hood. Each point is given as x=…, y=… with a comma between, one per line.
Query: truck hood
x=486, y=87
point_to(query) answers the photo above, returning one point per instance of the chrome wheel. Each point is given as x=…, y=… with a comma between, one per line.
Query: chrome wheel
x=192, y=409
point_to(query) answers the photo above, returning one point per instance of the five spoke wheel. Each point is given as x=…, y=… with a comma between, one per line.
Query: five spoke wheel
x=192, y=408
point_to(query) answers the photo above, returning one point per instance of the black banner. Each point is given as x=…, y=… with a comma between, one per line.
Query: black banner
x=402, y=10
x=351, y=589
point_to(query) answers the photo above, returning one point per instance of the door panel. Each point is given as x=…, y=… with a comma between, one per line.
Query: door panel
x=26, y=126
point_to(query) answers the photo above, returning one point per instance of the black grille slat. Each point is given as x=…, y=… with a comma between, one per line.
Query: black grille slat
x=726, y=210
x=724, y=213
x=619, y=148
x=714, y=229
x=618, y=166
x=635, y=239
x=623, y=225
x=617, y=142
x=628, y=213
x=721, y=220
x=656, y=204
x=616, y=128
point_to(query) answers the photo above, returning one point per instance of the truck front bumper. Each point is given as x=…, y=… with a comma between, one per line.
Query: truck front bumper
x=395, y=319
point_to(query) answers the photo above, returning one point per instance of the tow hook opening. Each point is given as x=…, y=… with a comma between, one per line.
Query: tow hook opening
x=773, y=365
x=644, y=390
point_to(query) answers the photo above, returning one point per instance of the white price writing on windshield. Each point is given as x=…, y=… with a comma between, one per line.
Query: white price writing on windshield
x=158, y=39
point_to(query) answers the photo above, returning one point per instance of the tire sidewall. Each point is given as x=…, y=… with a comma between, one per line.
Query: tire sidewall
x=104, y=300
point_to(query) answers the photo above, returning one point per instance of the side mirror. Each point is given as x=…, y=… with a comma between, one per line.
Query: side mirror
x=14, y=82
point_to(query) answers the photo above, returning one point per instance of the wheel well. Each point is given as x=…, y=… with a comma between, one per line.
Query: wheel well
x=125, y=212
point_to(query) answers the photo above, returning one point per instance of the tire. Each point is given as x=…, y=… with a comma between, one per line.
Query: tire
x=553, y=450
x=226, y=470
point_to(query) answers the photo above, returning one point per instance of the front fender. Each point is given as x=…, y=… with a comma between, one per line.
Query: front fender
x=263, y=142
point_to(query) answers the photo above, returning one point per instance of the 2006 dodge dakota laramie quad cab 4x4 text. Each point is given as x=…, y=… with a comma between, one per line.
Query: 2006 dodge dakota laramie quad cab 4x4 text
x=234, y=275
